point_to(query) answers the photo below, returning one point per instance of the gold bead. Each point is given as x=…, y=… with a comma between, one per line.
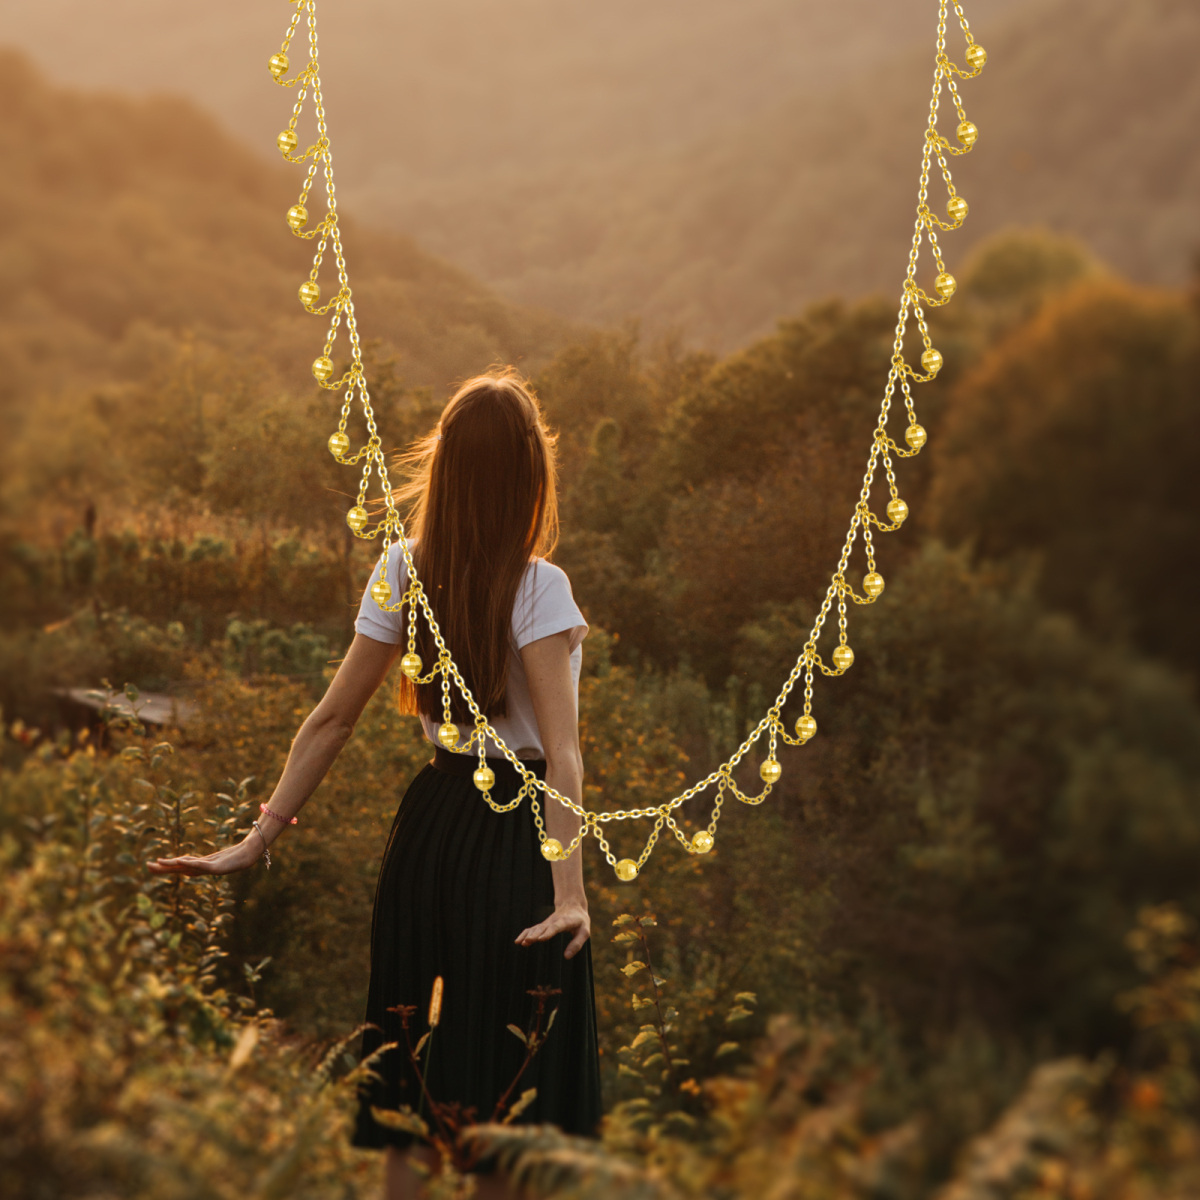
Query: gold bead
x=552, y=849
x=287, y=140
x=976, y=55
x=931, y=360
x=967, y=133
x=957, y=208
x=278, y=64
x=946, y=285
x=702, y=841
x=339, y=443
x=897, y=510
x=843, y=658
x=310, y=292
x=806, y=727
x=356, y=518
x=297, y=216
x=915, y=436
x=411, y=665
x=381, y=591
x=873, y=584
x=448, y=735
x=627, y=870
x=322, y=368
x=770, y=771
x=484, y=778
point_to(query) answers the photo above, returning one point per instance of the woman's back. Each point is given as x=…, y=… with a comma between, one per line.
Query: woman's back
x=544, y=605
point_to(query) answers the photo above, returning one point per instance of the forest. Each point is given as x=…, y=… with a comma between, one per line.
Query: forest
x=957, y=953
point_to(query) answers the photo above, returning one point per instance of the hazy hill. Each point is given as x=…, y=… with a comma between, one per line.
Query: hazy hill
x=703, y=162
x=1087, y=115
x=118, y=211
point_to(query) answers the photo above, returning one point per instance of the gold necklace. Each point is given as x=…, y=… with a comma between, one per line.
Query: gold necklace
x=353, y=381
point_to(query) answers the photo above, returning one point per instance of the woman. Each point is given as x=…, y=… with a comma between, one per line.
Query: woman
x=463, y=891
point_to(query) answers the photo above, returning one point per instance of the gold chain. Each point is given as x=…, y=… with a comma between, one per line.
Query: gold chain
x=353, y=381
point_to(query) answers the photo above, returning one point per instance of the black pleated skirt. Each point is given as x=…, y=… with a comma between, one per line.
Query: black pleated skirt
x=457, y=883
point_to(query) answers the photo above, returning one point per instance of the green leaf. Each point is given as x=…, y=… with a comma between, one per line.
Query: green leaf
x=737, y=1014
x=647, y=922
x=746, y=998
x=647, y=1035
x=728, y=1048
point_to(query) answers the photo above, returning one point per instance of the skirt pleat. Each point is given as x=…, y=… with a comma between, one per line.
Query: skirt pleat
x=457, y=883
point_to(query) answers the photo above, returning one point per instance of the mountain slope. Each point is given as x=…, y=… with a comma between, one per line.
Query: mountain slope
x=1087, y=117
x=702, y=163
x=117, y=211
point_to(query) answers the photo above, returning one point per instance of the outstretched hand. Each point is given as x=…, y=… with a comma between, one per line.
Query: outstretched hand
x=569, y=918
x=221, y=862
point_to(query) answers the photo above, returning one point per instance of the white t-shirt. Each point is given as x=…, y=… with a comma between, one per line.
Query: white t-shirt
x=544, y=605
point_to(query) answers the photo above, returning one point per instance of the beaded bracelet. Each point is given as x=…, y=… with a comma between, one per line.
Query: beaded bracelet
x=285, y=820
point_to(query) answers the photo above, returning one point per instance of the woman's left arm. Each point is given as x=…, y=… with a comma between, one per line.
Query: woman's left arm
x=317, y=743
x=547, y=665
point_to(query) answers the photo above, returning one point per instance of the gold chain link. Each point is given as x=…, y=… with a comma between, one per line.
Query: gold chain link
x=353, y=383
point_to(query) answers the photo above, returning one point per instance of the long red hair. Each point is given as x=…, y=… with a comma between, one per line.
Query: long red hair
x=481, y=502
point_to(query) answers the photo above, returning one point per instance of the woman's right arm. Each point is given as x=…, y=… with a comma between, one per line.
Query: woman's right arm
x=317, y=743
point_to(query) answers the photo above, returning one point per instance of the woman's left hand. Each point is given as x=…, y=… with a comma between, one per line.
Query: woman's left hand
x=221, y=862
x=567, y=918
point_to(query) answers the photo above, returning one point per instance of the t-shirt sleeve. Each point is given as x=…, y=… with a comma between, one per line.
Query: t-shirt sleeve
x=545, y=605
x=372, y=620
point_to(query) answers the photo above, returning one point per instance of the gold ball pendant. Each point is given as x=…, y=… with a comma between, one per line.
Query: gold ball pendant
x=322, y=368
x=411, y=665
x=915, y=436
x=278, y=64
x=627, y=870
x=770, y=771
x=484, y=778
x=310, y=293
x=946, y=285
x=931, y=360
x=356, y=518
x=448, y=734
x=957, y=208
x=976, y=55
x=968, y=133
x=552, y=849
x=873, y=584
x=806, y=727
x=897, y=510
x=702, y=841
x=381, y=591
x=287, y=141
x=339, y=443
x=297, y=217
x=843, y=658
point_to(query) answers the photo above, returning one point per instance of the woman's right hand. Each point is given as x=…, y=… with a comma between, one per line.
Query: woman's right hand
x=567, y=918
x=221, y=862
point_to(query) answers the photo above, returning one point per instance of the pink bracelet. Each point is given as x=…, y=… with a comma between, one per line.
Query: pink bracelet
x=265, y=809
